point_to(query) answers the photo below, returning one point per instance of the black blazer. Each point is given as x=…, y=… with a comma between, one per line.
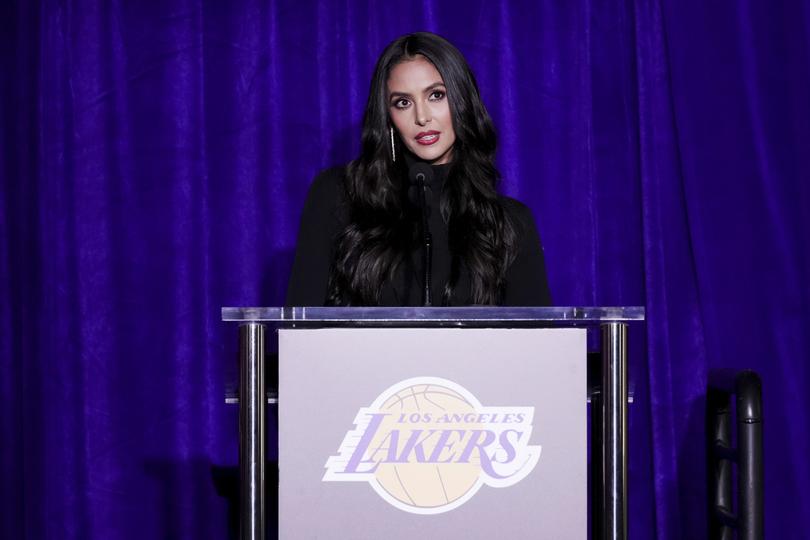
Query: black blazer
x=325, y=215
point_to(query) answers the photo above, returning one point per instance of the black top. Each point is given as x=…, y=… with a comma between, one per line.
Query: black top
x=326, y=214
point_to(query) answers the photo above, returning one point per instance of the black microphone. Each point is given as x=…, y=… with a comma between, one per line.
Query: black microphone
x=421, y=175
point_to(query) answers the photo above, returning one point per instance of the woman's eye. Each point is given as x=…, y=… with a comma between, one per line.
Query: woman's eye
x=437, y=95
x=401, y=103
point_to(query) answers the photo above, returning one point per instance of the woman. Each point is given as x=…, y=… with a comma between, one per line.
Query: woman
x=362, y=236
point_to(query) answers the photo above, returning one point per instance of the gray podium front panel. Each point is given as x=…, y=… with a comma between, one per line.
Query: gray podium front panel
x=432, y=433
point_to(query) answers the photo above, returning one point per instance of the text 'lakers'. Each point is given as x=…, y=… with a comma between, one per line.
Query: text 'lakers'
x=426, y=445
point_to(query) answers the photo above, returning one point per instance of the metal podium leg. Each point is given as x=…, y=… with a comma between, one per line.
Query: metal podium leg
x=251, y=431
x=614, y=429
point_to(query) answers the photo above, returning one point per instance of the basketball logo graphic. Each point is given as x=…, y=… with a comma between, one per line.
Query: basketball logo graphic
x=426, y=445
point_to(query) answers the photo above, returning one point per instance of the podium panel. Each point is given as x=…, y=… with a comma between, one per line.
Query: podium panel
x=432, y=433
x=369, y=416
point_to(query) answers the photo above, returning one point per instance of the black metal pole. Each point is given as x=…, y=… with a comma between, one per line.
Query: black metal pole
x=749, y=443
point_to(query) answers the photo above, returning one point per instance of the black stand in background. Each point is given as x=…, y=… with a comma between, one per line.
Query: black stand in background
x=748, y=519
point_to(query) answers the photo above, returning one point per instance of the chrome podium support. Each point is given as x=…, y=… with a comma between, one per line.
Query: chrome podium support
x=614, y=430
x=251, y=431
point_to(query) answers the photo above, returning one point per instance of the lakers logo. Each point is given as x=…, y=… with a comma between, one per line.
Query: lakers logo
x=427, y=445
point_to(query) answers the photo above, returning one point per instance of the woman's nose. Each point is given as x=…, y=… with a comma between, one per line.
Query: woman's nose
x=422, y=115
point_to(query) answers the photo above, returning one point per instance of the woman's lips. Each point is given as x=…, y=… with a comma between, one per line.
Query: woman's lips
x=427, y=138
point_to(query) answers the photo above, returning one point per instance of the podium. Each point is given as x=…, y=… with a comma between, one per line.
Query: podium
x=441, y=422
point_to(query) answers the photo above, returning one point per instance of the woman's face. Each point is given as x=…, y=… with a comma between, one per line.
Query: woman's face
x=418, y=107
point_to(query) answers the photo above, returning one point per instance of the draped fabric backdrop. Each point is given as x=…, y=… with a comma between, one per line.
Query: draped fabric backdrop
x=155, y=159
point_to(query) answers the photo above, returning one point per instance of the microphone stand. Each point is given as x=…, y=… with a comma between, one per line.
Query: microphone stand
x=427, y=241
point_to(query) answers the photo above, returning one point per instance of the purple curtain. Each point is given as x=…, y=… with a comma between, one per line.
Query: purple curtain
x=155, y=158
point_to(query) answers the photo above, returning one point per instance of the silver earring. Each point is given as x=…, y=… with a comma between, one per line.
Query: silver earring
x=393, y=151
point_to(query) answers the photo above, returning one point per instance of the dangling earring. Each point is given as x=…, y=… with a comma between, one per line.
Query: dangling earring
x=393, y=151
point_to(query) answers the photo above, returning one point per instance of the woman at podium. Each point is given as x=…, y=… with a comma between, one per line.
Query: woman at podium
x=416, y=219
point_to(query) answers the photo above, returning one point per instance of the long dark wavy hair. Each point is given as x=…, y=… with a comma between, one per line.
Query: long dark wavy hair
x=382, y=229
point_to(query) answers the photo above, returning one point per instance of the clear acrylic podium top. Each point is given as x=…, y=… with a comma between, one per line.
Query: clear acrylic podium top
x=434, y=316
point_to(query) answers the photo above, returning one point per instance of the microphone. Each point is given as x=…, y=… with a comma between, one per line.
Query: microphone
x=420, y=175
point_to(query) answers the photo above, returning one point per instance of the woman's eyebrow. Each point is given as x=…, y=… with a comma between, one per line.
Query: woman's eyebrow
x=433, y=86
x=398, y=95
x=426, y=90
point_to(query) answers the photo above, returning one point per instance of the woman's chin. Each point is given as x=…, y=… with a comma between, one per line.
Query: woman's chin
x=434, y=156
